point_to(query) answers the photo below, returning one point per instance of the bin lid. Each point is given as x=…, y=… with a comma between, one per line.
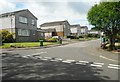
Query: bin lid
x=40, y=40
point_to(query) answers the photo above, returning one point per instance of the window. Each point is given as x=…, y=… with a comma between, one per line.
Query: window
x=33, y=22
x=23, y=19
x=23, y=32
x=64, y=26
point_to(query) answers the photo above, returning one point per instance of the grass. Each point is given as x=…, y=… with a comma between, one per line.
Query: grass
x=26, y=44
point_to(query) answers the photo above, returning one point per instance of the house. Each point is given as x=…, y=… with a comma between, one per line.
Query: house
x=56, y=28
x=23, y=23
x=84, y=30
x=75, y=30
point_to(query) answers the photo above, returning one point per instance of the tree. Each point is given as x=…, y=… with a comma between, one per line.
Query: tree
x=7, y=36
x=105, y=16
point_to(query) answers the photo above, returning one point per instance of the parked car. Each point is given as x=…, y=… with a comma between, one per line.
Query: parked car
x=55, y=37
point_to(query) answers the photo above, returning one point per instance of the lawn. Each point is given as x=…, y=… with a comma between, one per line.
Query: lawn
x=26, y=44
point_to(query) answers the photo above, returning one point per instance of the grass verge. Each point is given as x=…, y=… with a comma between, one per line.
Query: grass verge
x=26, y=44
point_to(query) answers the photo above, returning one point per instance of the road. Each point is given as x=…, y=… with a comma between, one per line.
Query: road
x=81, y=60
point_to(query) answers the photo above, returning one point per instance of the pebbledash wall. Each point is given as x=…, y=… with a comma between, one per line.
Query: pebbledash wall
x=23, y=23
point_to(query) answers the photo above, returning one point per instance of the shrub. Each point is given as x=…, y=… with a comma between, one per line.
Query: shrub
x=52, y=40
x=7, y=37
x=77, y=37
x=89, y=35
x=118, y=37
x=81, y=36
x=98, y=36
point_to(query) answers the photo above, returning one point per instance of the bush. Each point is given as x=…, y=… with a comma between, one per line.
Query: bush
x=89, y=35
x=52, y=40
x=118, y=37
x=98, y=36
x=7, y=37
x=77, y=37
x=71, y=37
x=93, y=35
x=81, y=36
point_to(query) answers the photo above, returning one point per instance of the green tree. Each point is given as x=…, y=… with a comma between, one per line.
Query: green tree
x=105, y=16
x=7, y=36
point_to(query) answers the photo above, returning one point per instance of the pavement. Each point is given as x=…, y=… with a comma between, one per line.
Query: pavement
x=76, y=61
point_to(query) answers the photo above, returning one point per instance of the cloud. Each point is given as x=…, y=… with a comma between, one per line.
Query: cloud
x=54, y=11
x=75, y=11
x=6, y=6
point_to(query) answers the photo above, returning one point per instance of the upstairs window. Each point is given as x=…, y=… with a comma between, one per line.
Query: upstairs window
x=33, y=22
x=23, y=19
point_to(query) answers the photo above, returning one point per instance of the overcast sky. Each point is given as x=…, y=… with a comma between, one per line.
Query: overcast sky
x=75, y=11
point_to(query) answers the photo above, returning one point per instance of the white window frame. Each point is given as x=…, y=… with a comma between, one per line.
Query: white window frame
x=21, y=32
x=23, y=19
x=33, y=22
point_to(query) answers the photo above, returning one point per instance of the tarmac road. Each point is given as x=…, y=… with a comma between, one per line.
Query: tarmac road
x=81, y=60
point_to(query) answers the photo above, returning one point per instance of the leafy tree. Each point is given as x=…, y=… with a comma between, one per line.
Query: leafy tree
x=105, y=16
x=7, y=36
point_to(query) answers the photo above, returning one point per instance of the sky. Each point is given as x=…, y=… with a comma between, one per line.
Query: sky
x=75, y=11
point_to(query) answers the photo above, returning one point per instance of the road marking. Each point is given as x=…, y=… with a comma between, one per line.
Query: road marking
x=44, y=59
x=71, y=60
x=68, y=61
x=113, y=67
x=82, y=62
x=27, y=56
x=39, y=57
x=108, y=58
x=95, y=65
x=58, y=59
x=54, y=60
x=47, y=58
x=39, y=53
x=98, y=63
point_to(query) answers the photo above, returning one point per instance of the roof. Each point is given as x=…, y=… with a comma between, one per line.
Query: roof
x=74, y=26
x=53, y=23
x=14, y=12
